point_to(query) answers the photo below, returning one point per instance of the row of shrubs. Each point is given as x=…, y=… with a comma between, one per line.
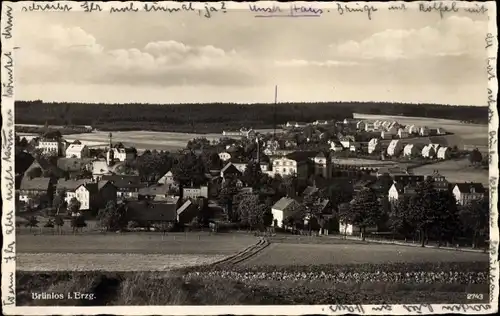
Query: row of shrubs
x=403, y=267
x=442, y=272
x=414, y=277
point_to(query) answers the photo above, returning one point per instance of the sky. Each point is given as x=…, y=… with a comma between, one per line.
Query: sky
x=234, y=57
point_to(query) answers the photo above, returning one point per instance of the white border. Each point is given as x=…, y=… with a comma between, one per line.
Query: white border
x=8, y=266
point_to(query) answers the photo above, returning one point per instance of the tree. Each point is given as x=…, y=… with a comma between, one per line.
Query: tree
x=32, y=222
x=314, y=208
x=422, y=209
x=447, y=221
x=78, y=222
x=112, y=217
x=226, y=196
x=365, y=210
x=475, y=156
x=290, y=185
x=74, y=205
x=59, y=201
x=475, y=217
x=50, y=224
x=252, y=174
x=59, y=222
x=189, y=169
x=397, y=217
x=251, y=212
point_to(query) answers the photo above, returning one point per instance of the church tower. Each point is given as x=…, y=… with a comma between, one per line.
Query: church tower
x=110, y=157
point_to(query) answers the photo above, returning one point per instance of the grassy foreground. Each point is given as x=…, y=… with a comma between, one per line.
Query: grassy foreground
x=437, y=283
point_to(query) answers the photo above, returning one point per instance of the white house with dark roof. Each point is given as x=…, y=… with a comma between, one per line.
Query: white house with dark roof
x=335, y=146
x=395, y=147
x=468, y=191
x=77, y=151
x=443, y=153
x=424, y=131
x=428, y=151
x=346, y=141
x=282, y=209
x=360, y=126
x=410, y=150
x=402, y=133
x=373, y=145
x=369, y=126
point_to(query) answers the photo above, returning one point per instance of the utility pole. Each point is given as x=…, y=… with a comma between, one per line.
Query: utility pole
x=275, y=103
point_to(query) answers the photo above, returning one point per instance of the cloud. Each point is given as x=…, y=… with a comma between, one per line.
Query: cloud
x=72, y=55
x=312, y=63
x=454, y=36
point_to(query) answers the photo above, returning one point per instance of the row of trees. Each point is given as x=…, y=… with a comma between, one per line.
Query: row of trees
x=428, y=213
x=218, y=116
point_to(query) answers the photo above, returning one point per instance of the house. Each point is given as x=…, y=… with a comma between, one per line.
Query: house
x=283, y=209
x=377, y=124
x=392, y=130
x=423, y=131
x=360, y=126
x=147, y=213
x=248, y=133
x=100, y=168
x=167, y=179
x=240, y=165
x=77, y=151
x=290, y=124
x=443, y=153
x=407, y=179
x=410, y=150
x=195, y=192
x=402, y=133
x=369, y=127
x=231, y=133
x=346, y=141
x=440, y=131
x=335, y=146
x=412, y=129
x=295, y=163
x=355, y=147
x=468, y=191
x=353, y=230
x=91, y=194
x=75, y=166
x=373, y=145
x=120, y=153
x=126, y=186
x=52, y=146
x=395, y=147
x=440, y=182
x=428, y=151
x=224, y=156
x=29, y=188
x=155, y=192
x=230, y=171
x=320, y=122
x=398, y=190
x=322, y=165
x=385, y=135
x=187, y=212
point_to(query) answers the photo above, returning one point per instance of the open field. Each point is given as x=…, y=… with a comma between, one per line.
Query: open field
x=111, y=261
x=125, y=252
x=140, y=243
x=350, y=252
x=455, y=171
x=473, y=135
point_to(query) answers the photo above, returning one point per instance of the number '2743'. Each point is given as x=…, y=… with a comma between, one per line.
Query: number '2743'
x=474, y=296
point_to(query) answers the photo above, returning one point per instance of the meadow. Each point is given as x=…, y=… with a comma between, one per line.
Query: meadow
x=456, y=171
x=125, y=252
